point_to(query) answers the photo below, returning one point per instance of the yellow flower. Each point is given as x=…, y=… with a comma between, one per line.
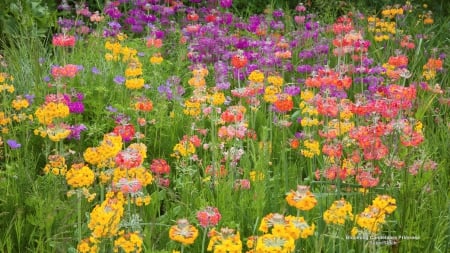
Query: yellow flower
x=338, y=213
x=218, y=98
x=302, y=198
x=134, y=83
x=256, y=76
x=183, y=232
x=225, y=240
x=269, y=243
x=105, y=218
x=275, y=80
x=156, y=59
x=80, y=175
x=128, y=242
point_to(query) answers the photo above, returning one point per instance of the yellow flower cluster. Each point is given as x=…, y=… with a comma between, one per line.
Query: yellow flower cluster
x=57, y=132
x=7, y=87
x=183, y=232
x=103, y=155
x=156, y=59
x=20, y=103
x=270, y=93
x=217, y=99
x=307, y=95
x=340, y=127
x=56, y=164
x=184, y=149
x=301, y=226
x=192, y=107
x=142, y=200
x=392, y=12
x=312, y=148
x=256, y=76
x=338, y=213
x=302, y=198
x=256, y=176
x=51, y=111
x=4, y=120
x=225, y=241
x=88, y=245
x=134, y=83
x=105, y=218
x=140, y=173
x=128, y=242
x=373, y=216
x=80, y=175
x=119, y=52
x=275, y=80
x=134, y=69
x=382, y=29
x=269, y=243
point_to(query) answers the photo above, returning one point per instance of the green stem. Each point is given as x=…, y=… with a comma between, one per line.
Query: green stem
x=205, y=232
x=79, y=215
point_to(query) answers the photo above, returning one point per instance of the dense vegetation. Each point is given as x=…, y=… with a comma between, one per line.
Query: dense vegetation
x=224, y=126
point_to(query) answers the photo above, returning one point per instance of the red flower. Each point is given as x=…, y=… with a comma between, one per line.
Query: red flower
x=160, y=166
x=239, y=60
x=127, y=132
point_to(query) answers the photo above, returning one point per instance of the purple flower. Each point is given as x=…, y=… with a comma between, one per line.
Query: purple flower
x=226, y=3
x=119, y=79
x=277, y=13
x=76, y=107
x=47, y=79
x=75, y=131
x=29, y=98
x=13, y=144
x=292, y=90
x=109, y=108
x=95, y=70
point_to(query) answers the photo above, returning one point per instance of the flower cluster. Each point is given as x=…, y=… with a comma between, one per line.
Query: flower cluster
x=226, y=240
x=374, y=216
x=302, y=198
x=183, y=232
x=338, y=212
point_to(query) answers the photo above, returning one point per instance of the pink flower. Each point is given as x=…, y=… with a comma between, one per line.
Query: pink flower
x=209, y=217
x=62, y=40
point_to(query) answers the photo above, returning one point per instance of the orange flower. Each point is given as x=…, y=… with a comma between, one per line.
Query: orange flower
x=239, y=60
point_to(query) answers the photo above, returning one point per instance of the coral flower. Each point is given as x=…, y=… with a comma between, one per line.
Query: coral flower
x=160, y=166
x=63, y=40
x=209, y=217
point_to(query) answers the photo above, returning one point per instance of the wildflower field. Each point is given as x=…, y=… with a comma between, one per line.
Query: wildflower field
x=198, y=126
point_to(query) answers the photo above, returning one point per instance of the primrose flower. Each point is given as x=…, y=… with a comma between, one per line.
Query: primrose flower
x=302, y=198
x=88, y=245
x=183, y=232
x=105, y=218
x=338, y=213
x=225, y=240
x=79, y=176
x=56, y=164
x=63, y=40
x=209, y=217
x=128, y=242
